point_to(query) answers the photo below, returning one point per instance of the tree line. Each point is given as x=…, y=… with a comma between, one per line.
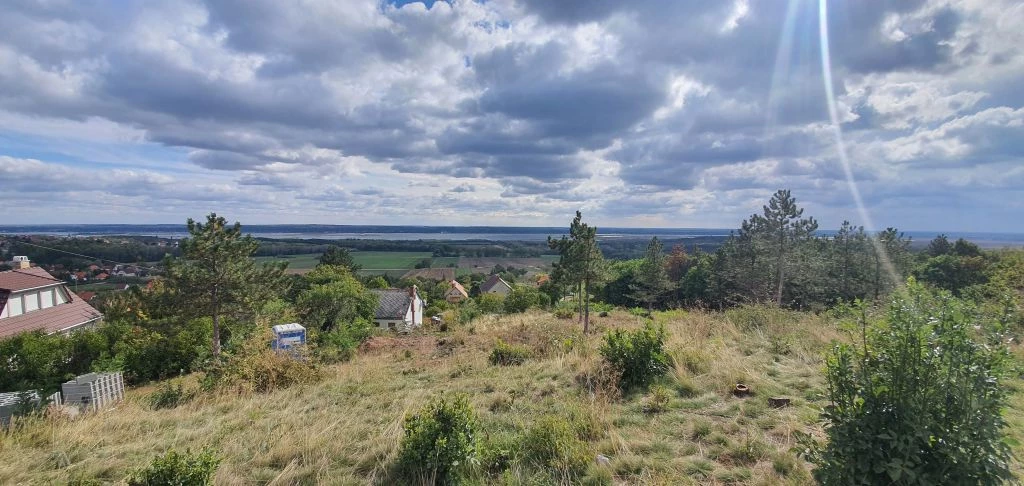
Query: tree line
x=775, y=257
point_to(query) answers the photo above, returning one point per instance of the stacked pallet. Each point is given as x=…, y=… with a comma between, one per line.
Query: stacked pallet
x=94, y=391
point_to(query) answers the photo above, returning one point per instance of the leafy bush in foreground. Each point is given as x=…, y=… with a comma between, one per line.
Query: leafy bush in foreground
x=639, y=356
x=174, y=469
x=505, y=354
x=551, y=444
x=439, y=442
x=918, y=401
x=170, y=396
x=257, y=368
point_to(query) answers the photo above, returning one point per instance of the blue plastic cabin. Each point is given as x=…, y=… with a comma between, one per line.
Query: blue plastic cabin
x=287, y=336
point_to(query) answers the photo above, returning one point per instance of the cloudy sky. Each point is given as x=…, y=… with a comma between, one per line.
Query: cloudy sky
x=510, y=112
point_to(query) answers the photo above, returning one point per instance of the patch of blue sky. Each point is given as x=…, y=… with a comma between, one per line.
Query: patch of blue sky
x=83, y=154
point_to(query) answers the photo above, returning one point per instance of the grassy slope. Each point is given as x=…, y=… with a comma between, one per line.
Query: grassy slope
x=346, y=429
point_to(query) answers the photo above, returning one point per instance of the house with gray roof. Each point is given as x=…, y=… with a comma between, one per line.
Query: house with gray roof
x=495, y=285
x=399, y=309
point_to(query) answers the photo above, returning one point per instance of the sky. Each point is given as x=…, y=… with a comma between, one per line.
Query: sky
x=511, y=112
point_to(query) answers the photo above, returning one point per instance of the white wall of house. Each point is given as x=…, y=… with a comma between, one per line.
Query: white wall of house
x=19, y=303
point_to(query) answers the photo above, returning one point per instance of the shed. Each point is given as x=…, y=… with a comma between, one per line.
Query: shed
x=288, y=335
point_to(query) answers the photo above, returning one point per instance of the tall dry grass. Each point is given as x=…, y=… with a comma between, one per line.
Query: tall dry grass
x=346, y=428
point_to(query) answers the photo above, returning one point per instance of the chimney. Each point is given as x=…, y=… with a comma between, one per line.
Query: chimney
x=412, y=294
x=21, y=263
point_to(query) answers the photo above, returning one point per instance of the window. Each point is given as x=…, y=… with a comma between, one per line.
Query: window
x=46, y=298
x=14, y=304
x=31, y=302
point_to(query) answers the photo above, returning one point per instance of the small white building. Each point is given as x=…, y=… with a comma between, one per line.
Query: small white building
x=399, y=309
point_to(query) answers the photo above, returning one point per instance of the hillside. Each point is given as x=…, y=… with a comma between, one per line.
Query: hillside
x=346, y=429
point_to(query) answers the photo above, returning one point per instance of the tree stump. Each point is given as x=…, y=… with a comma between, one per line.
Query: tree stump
x=741, y=390
x=778, y=402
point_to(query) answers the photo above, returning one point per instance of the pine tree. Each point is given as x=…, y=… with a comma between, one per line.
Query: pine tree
x=782, y=228
x=652, y=281
x=216, y=273
x=580, y=264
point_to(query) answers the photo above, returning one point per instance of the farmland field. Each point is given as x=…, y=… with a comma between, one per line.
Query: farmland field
x=396, y=263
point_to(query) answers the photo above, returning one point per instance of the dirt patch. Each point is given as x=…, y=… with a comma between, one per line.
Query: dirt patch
x=385, y=344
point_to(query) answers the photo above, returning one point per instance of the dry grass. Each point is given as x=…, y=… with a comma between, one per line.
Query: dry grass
x=346, y=428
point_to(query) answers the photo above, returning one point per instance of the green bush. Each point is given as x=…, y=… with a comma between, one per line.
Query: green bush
x=498, y=451
x=490, y=303
x=340, y=343
x=522, y=298
x=257, y=368
x=439, y=442
x=639, y=356
x=174, y=469
x=918, y=401
x=505, y=354
x=565, y=310
x=169, y=396
x=658, y=401
x=553, y=444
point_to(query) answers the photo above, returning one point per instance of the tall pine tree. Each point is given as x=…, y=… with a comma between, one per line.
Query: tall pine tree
x=216, y=275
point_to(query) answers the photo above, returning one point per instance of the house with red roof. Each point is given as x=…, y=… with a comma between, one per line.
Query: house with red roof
x=32, y=300
x=457, y=293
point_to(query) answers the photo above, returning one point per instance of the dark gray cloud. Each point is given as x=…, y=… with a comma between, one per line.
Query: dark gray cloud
x=563, y=102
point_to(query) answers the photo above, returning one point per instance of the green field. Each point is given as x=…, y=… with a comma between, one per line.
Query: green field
x=396, y=263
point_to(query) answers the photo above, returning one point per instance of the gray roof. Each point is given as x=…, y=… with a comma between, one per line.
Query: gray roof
x=492, y=282
x=394, y=303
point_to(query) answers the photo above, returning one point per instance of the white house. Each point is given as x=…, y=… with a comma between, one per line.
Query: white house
x=399, y=309
x=31, y=299
x=495, y=285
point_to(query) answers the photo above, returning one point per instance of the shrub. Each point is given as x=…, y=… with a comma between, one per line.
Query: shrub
x=257, y=368
x=490, y=303
x=505, y=354
x=638, y=355
x=552, y=444
x=178, y=469
x=169, y=396
x=658, y=400
x=340, y=343
x=468, y=310
x=498, y=452
x=918, y=401
x=522, y=298
x=439, y=442
x=564, y=310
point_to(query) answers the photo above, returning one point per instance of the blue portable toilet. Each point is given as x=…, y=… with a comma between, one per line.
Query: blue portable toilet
x=287, y=336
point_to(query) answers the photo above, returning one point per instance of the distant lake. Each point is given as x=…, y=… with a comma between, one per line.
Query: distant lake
x=449, y=233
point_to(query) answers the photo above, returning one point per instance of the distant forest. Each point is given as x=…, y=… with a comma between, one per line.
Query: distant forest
x=55, y=250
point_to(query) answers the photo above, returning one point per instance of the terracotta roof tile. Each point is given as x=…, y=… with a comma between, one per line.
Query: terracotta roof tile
x=50, y=320
x=27, y=278
x=457, y=286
